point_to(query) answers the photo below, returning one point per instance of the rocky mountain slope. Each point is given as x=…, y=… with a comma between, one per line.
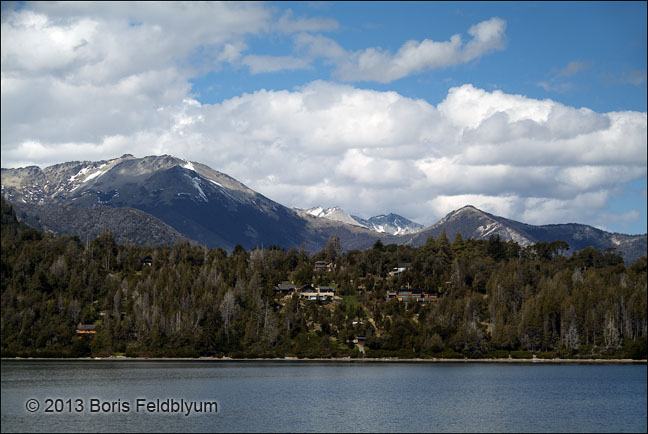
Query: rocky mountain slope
x=193, y=199
x=392, y=224
x=162, y=199
x=334, y=213
x=128, y=225
x=474, y=223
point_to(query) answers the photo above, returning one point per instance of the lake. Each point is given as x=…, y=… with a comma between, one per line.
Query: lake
x=201, y=396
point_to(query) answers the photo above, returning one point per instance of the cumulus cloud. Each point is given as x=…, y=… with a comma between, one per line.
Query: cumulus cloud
x=375, y=64
x=330, y=144
x=82, y=82
x=84, y=72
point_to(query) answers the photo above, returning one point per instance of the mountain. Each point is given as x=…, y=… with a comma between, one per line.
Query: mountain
x=474, y=223
x=391, y=224
x=128, y=225
x=334, y=213
x=163, y=199
x=190, y=198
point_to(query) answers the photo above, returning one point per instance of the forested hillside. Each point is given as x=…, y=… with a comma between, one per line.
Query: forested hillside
x=495, y=299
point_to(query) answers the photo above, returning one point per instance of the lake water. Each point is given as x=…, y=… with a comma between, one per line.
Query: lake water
x=321, y=396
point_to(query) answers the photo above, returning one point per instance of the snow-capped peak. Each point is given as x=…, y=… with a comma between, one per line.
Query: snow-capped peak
x=389, y=224
x=334, y=213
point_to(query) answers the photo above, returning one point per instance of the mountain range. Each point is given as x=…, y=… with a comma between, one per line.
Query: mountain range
x=164, y=199
x=393, y=224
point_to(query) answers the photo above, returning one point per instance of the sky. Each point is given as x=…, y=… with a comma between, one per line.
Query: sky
x=532, y=111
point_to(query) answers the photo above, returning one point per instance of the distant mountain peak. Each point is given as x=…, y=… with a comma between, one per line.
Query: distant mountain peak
x=392, y=224
x=333, y=213
x=474, y=223
x=467, y=208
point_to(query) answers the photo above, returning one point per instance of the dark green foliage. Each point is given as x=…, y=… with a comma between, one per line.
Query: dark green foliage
x=496, y=299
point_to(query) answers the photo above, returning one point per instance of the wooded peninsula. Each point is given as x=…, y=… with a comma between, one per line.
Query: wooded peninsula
x=67, y=297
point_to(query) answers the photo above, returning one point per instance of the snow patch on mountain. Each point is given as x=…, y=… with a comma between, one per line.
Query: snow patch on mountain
x=387, y=224
x=334, y=213
x=196, y=183
x=393, y=224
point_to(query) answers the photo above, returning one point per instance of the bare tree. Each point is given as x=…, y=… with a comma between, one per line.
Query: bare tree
x=228, y=308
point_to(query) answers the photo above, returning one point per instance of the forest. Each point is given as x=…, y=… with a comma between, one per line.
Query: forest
x=496, y=299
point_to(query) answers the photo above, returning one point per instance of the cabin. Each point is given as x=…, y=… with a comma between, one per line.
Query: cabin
x=428, y=298
x=402, y=267
x=323, y=266
x=325, y=292
x=324, y=288
x=285, y=288
x=412, y=295
x=85, y=330
x=309, y=292
x=409, y=294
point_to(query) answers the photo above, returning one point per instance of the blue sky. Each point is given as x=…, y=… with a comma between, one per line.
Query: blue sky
x=605, y=42
x=533, y=111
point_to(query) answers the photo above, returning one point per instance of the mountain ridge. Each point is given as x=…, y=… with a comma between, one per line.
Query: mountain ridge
x=472, y=222
x=194, y=201
x=392, y=224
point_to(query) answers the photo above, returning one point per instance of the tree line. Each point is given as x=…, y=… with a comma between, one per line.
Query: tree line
x=496, y=299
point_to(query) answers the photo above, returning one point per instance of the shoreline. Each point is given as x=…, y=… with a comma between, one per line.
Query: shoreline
x=337, y=360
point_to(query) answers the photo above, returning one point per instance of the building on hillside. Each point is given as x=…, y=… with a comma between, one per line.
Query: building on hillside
x=309, y=292
x=412, y=295
x=285, y=288
x=85, y=330
x=402, y=267
x=323, y=267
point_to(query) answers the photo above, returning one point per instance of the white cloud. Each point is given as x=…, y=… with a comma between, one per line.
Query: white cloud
x=288, y=24
x=373, y=152
x=114, y=80
x=375, y=64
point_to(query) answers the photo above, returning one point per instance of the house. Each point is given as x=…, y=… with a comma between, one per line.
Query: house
x=324, y=288
x=309, y=292
x=411, y=295
x=325, y=292
x=428, y=298
x=285, y=288
x=85, y=330
x=402, y=267
x=323, y=266
x=307, y=288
